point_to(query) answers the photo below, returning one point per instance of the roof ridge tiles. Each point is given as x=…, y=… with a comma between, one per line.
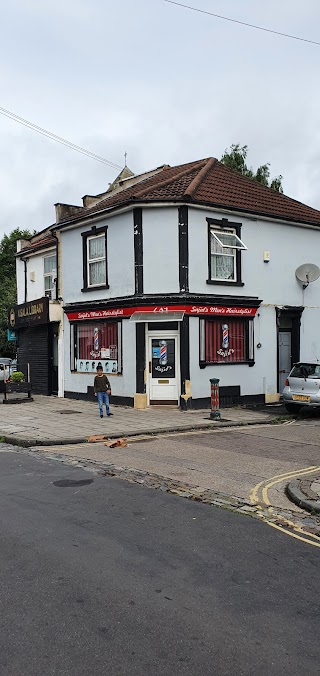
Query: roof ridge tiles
x=171, y=179
x=191, y=189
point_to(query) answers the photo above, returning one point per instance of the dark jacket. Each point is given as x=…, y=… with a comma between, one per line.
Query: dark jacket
x=101, y=384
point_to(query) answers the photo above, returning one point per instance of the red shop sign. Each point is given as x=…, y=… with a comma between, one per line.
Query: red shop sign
x=207, y=310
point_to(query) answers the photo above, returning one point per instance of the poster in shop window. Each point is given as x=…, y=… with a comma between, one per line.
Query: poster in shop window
x=163, y=358
x=90, y=366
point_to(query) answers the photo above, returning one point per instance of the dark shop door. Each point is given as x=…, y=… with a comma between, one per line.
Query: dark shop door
x=53, y=363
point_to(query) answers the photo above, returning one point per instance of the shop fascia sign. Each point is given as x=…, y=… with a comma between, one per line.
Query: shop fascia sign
x=29, y=314
x=201, y=310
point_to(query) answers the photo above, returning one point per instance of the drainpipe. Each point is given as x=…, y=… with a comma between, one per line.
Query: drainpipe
x=57, y=257
x=25, y=260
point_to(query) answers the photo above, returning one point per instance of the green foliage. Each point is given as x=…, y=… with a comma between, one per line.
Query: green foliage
x=17, y=377
x=8, y=294
x=235, y=158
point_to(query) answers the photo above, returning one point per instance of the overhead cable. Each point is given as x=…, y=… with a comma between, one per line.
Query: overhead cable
x=58, y=139
x=242, y=23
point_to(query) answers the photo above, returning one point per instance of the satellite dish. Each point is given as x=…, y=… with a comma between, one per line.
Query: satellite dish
x=307, y=273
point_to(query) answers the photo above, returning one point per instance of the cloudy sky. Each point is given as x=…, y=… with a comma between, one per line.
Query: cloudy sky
x=163, y=83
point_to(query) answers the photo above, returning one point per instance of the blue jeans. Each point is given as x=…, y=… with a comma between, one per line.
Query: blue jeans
x=103, y=398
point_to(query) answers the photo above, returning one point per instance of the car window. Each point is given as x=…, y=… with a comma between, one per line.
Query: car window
x=306, y=371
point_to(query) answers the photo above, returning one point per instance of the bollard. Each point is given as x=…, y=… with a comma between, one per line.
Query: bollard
x=215, y=412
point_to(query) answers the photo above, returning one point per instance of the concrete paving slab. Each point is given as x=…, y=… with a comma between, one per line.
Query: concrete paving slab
x=50, y=419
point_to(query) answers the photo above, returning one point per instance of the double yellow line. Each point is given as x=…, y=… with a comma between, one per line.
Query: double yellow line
x=264, y=502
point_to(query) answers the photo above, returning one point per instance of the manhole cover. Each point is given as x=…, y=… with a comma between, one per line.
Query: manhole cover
x=69, y=483
x=68, y=412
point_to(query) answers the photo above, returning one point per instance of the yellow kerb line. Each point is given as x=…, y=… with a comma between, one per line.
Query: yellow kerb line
x=293, y=535
x=253, y=495
x=265, y=497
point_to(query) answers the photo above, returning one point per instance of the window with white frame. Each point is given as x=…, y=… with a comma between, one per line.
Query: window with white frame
x=50, y=275
x=95, y=265
x=225, y=248
x=96, y=259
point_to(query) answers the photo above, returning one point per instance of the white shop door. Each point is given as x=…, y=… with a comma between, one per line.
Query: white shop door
x=163, y=380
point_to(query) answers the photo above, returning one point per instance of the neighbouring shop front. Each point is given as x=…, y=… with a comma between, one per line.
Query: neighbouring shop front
x=145, y=349
x=37, y=344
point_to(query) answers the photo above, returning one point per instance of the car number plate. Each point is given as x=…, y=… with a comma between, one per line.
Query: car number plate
x=300, y=397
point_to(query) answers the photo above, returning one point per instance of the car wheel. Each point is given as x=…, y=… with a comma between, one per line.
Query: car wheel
x=292, y=408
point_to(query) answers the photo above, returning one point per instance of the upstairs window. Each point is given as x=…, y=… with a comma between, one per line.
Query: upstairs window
x=96, y=250
x=50, y=275
x=224, y=254
x=95, y=259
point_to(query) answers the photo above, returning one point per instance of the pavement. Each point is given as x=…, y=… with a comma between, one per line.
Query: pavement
x=233, y=463
x=51, y=420
x=103, y=577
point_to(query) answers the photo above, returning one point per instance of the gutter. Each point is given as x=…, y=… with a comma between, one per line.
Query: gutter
x=25, y=260
x=57, y=257
x=131, y=204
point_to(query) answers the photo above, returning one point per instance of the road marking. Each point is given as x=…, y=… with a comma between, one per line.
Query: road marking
x=293, y=535
x=254, y=493
x=290, y=475
x=265, y=503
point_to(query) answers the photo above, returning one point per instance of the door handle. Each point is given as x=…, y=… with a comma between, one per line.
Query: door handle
x=149, y=366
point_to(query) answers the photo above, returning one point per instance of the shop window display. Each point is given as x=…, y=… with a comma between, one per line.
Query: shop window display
x=98, y=344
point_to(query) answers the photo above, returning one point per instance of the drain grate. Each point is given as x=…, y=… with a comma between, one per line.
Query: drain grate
x=68, y=412
x=69, y=483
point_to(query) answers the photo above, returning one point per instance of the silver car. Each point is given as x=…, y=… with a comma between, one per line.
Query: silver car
x=302, y=387
x=7, y=366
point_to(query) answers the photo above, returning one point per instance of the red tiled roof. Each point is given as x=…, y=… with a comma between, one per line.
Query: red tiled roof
x=210, y=183
x=45, y=242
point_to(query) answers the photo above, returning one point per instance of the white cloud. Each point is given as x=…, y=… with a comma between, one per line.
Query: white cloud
x=165, y=84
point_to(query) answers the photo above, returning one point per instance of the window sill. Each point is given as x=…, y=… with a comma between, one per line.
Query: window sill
x=95, y=288
x=249, y=362
x=225, y=282
x=94, y=373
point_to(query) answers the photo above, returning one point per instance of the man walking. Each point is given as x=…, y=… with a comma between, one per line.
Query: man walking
x=102, y=390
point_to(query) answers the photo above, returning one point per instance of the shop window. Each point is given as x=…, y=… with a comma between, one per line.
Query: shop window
x=95, y=267
x=224, y=252
x=94, y=344
x=50, y=275
x=226, y=341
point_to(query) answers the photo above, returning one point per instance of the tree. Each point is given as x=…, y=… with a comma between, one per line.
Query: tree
x=8, y=289
x=235, y=158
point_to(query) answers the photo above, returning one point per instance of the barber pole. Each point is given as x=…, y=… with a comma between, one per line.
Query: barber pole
x=96, y=339
x=163, y=360
x=225, y=336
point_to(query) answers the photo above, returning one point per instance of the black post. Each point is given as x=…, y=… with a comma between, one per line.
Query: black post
x=138, y=250
x=183, y=249
x=140, y=357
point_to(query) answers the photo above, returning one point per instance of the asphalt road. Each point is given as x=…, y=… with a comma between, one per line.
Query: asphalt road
x=114, y=579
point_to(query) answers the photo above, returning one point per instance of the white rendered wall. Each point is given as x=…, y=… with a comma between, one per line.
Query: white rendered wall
x=120, y=261
x=123, y=385
x=34, y=265
x=160, y=250
x=274, y=282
